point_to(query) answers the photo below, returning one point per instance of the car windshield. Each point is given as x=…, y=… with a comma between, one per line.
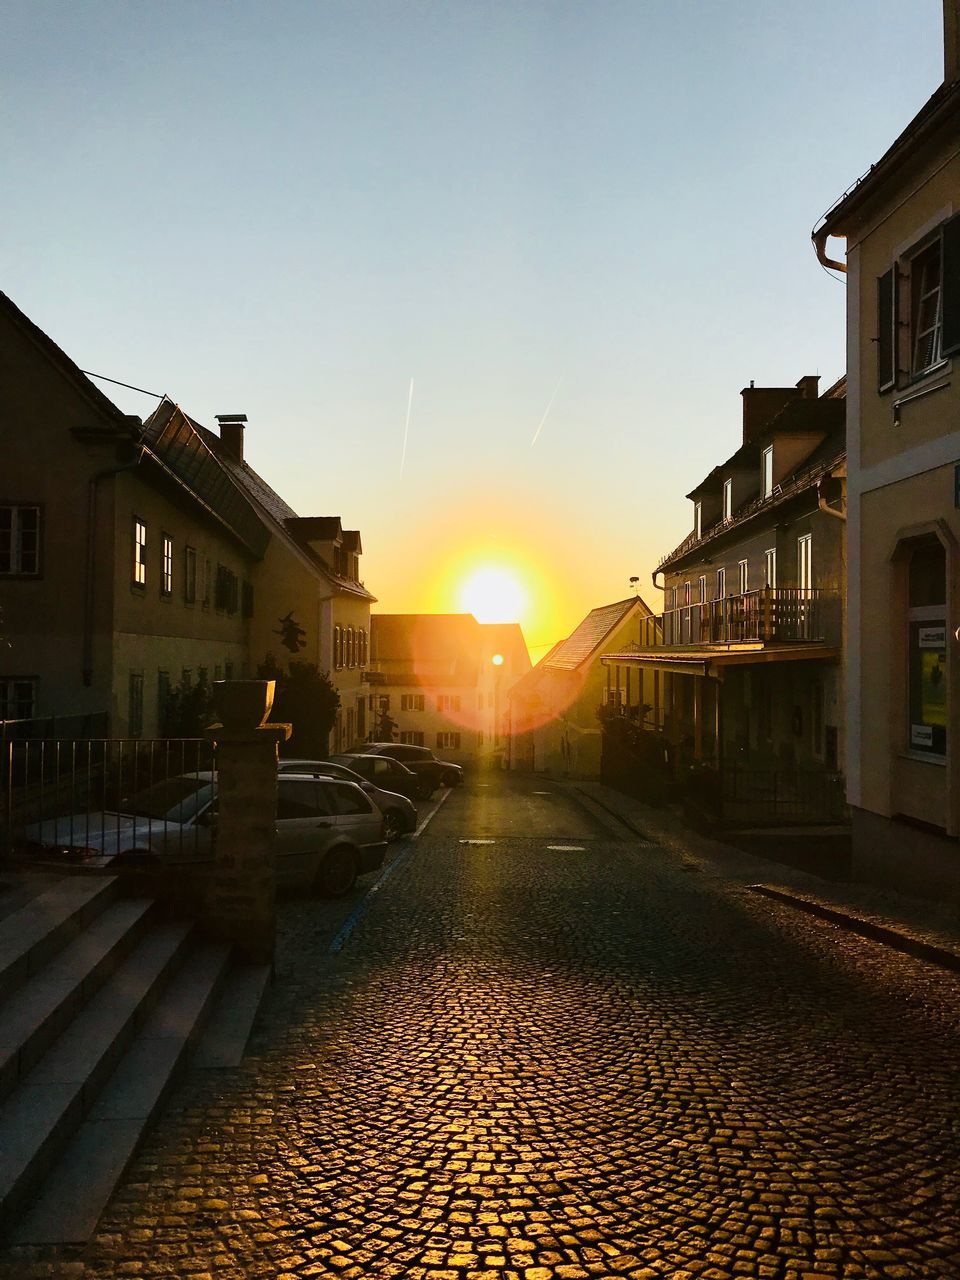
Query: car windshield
x=172, y=800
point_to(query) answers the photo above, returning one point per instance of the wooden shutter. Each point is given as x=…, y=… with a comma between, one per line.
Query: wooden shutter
x=950, y=297
x=886, y=331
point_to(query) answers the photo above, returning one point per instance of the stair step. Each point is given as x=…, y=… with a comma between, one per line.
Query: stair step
x=77, y=1192
x=35, y=1014
x=225, y=1039
x=48, y=1103
x=29, y=936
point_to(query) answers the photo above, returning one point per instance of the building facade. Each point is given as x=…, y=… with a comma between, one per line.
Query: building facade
x=554, y=726
x=442, y=681
x=901, y=225
x=742, y=672
x=135, y=557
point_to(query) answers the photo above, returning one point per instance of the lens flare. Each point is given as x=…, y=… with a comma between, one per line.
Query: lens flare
x=493, y=594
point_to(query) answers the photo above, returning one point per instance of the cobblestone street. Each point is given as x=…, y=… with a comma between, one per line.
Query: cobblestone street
x=585, y=1061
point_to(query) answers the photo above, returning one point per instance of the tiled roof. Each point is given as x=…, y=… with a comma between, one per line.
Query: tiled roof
x=266, y=498
x=314, y=528
x=592, y=631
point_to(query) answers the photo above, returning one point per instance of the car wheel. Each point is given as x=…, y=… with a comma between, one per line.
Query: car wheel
x=392, y=825
x=338, y=872
x=425, y=790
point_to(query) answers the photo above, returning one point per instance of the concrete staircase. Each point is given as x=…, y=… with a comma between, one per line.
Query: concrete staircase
x=101, y=1000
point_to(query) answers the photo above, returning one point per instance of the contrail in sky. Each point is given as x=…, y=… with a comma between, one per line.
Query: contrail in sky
x=536, y=434
x=406, y=427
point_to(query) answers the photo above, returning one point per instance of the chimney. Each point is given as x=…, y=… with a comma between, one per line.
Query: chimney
x=808, y=386
x=951, y=41
x=231, y=433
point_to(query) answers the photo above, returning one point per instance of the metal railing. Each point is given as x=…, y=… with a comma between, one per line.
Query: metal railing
x=771, y=614
x=793, y=796
x=100, y=802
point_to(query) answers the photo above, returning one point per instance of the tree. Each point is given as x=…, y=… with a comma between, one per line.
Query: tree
x=306, y=698
x=187, y=709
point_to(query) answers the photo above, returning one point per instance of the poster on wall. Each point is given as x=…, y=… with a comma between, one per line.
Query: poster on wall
x=928, y=686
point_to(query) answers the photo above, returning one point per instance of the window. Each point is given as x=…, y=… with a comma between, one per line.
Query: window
x=697, y=519
x=19, y=540
x=412, y=738
x=805, y=562
x=767, y=477
x=918, y=308
x=227, y=590
x=450, y=741
x=17, y=697
x=166, y=577
x=301, y=800
x=135, y=705
x=189, y=575
x=728, y=499
x=448, y=702
x=350, y=647
x=139, y=552
x=927, y=647
x=347, y=799
x=702, y=582
x=363, y=647
x=770, y=567
x=686, y=594
x=207, y=579
x=337, y=649
x=743, y=576
x=721, y=583
x=411, y=702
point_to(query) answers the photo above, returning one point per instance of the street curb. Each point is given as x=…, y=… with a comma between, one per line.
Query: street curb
x=916, y=947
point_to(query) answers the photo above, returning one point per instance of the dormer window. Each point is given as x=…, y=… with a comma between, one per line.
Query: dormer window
x=728, y=499
x=767, y=477
x=697, y=520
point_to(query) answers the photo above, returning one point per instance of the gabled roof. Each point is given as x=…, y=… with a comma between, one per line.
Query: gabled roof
x=126, y=424
x=583, y=642
x=314, y=528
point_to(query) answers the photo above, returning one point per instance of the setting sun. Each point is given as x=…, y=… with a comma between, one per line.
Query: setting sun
x=493, y=594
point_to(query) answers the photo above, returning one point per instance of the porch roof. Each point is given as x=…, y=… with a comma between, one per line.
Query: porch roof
x=706, y=660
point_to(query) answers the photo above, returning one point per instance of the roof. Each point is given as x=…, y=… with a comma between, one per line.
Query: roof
x=582, y=643
x=126, y=424
x=314, y=528
x=936, y=111
x=425, y=648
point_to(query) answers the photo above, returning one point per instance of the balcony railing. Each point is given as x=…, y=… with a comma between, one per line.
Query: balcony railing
x=770, y=615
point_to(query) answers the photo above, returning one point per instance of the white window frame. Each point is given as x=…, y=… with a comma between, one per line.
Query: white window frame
x=698, y=519
x=703, y=588
x=770, y=567
x=805, y=562
x=925, y=294
x=743, y=569
x=721, y=584
x=19, y=559
x=166, y=573
x=139, y=552
x=728, y=499
x=766, y=473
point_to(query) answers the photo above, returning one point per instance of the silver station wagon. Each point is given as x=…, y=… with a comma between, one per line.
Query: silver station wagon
x=328, y=831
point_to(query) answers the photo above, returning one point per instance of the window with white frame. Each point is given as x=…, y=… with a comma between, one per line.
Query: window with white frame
x=721, y=583
x=139, y=552
x=411, y=702
x=767, y=471
x=18, y=697
x=411, y=737
x=166, y=577
x=918, y=308
x=770, y=567
x=448, y=741
x=805, y=562
x=19, y=540
x=728, y=499
x=703, y=588
x=448, y=702
x=337, y=649
x=686, y=594
x=743, y=575
x=697, y=519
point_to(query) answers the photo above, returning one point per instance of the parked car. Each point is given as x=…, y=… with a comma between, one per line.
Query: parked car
x=399, y=812
x=328, y=831
x=390, y=774
x=420, y=759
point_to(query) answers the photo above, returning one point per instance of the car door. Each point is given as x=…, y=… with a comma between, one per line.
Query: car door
x=306, y=826
x=357, y=818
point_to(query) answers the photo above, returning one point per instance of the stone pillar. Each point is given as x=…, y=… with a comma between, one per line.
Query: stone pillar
x=241, y=903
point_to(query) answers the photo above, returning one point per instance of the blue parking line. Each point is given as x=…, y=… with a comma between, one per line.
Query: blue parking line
x=357, y=914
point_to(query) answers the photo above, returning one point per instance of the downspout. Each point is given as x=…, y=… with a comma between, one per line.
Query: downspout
x=822, y=502
x=819, y=239
x=92, y=488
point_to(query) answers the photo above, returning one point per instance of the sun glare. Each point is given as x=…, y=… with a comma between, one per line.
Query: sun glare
x=492, y=594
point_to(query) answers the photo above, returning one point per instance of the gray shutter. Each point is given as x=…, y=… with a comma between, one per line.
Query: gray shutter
x=950, y=297
x=886, y=331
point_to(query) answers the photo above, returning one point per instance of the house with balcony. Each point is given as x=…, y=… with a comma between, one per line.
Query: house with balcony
x=742, y=673
x=442, y=680
x=895, y=237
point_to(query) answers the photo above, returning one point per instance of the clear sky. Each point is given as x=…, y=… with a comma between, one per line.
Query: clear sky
x=290, y=209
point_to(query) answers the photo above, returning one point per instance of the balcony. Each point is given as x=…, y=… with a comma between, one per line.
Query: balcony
x=772, y=615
